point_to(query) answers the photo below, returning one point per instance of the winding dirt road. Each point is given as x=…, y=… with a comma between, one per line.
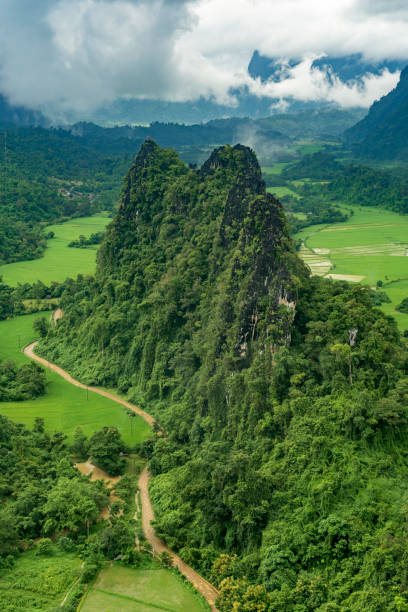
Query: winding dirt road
x=29, y=351
x=207, y=590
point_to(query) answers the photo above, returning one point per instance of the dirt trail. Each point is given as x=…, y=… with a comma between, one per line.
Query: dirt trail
x=86, y=467
x=29, y=351
x=71, y=587
x=205, y=588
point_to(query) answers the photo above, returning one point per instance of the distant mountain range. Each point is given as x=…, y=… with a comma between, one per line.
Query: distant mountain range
x=134, y=111
x=20, y=115
x=347, y=68
x=383, y=133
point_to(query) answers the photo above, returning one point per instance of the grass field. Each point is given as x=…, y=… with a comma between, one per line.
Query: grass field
x=37, y=583
x=275, y=168
x=64, y=406
x=307, y=147
x=59, y=261
x=122, y=589
x=282, y=191
x=371, y=245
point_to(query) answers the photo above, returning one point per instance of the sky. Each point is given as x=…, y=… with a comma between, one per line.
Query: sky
x=66, y=55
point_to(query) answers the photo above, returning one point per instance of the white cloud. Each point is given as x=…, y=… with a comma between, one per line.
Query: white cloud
x=304, y=82
x=78, y=54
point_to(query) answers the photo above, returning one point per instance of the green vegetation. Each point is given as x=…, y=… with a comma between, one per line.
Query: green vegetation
x=370, y=246
x=348, y=183
x=275, y=169
x=63, y=407
x=58, y=261
x=51, y=175
x=105, y=447
x=282, y=191
x=38, y=582
x=383, y=134
x=403, y=306
x=51, y=514
x=58, y=499
x=137, y=590
x=319, y=166
x=319, y=126
x=20, y=383
x=84, y=242
x=16, y=333
x=285, y=396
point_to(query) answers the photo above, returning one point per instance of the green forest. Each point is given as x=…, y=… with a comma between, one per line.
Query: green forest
x=52, y=514
x=350, y=183
x=48, y=176
x=284, y=397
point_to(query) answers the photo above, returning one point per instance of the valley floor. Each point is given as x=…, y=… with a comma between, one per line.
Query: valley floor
x=371, y=246
x=59, y=261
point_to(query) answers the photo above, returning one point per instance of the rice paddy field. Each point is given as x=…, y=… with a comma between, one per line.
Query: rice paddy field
x=371, y=245
x=59, y=261
x=123, y=589
x=64, y=406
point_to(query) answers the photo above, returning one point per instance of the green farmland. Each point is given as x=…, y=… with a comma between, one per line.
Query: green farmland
x=59, y=261
x=371, y=246
x=38, y=583
x=122, y=589
x=279, y=191
x=64, y=406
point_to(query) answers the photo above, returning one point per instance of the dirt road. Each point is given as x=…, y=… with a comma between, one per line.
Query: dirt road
x=29, y=351
x=205, y=588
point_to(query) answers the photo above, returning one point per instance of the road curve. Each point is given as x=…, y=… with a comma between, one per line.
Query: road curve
x=207, y=590
x=29, y=351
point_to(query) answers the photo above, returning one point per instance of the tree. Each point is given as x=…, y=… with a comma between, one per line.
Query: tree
x=343, y=354
x=44, y=546
x=105, y=447
x=41, y=326
x=166, y=559
x=71, y=505
x=117, y=538
x=8, y=533
x=80, y=444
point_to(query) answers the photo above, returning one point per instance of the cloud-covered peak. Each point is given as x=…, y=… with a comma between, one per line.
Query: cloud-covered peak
x=80, y=54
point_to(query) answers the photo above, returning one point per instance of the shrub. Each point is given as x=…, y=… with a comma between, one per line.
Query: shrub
x=44, y=547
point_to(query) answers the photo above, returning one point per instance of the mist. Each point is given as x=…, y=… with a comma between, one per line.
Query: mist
x=64, y=56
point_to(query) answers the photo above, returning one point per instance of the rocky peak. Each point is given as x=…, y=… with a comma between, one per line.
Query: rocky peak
x=239, y=159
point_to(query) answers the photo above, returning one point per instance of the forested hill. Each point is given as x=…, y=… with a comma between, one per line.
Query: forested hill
x=383, y=133
x=285, y=398
x=193, y=258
